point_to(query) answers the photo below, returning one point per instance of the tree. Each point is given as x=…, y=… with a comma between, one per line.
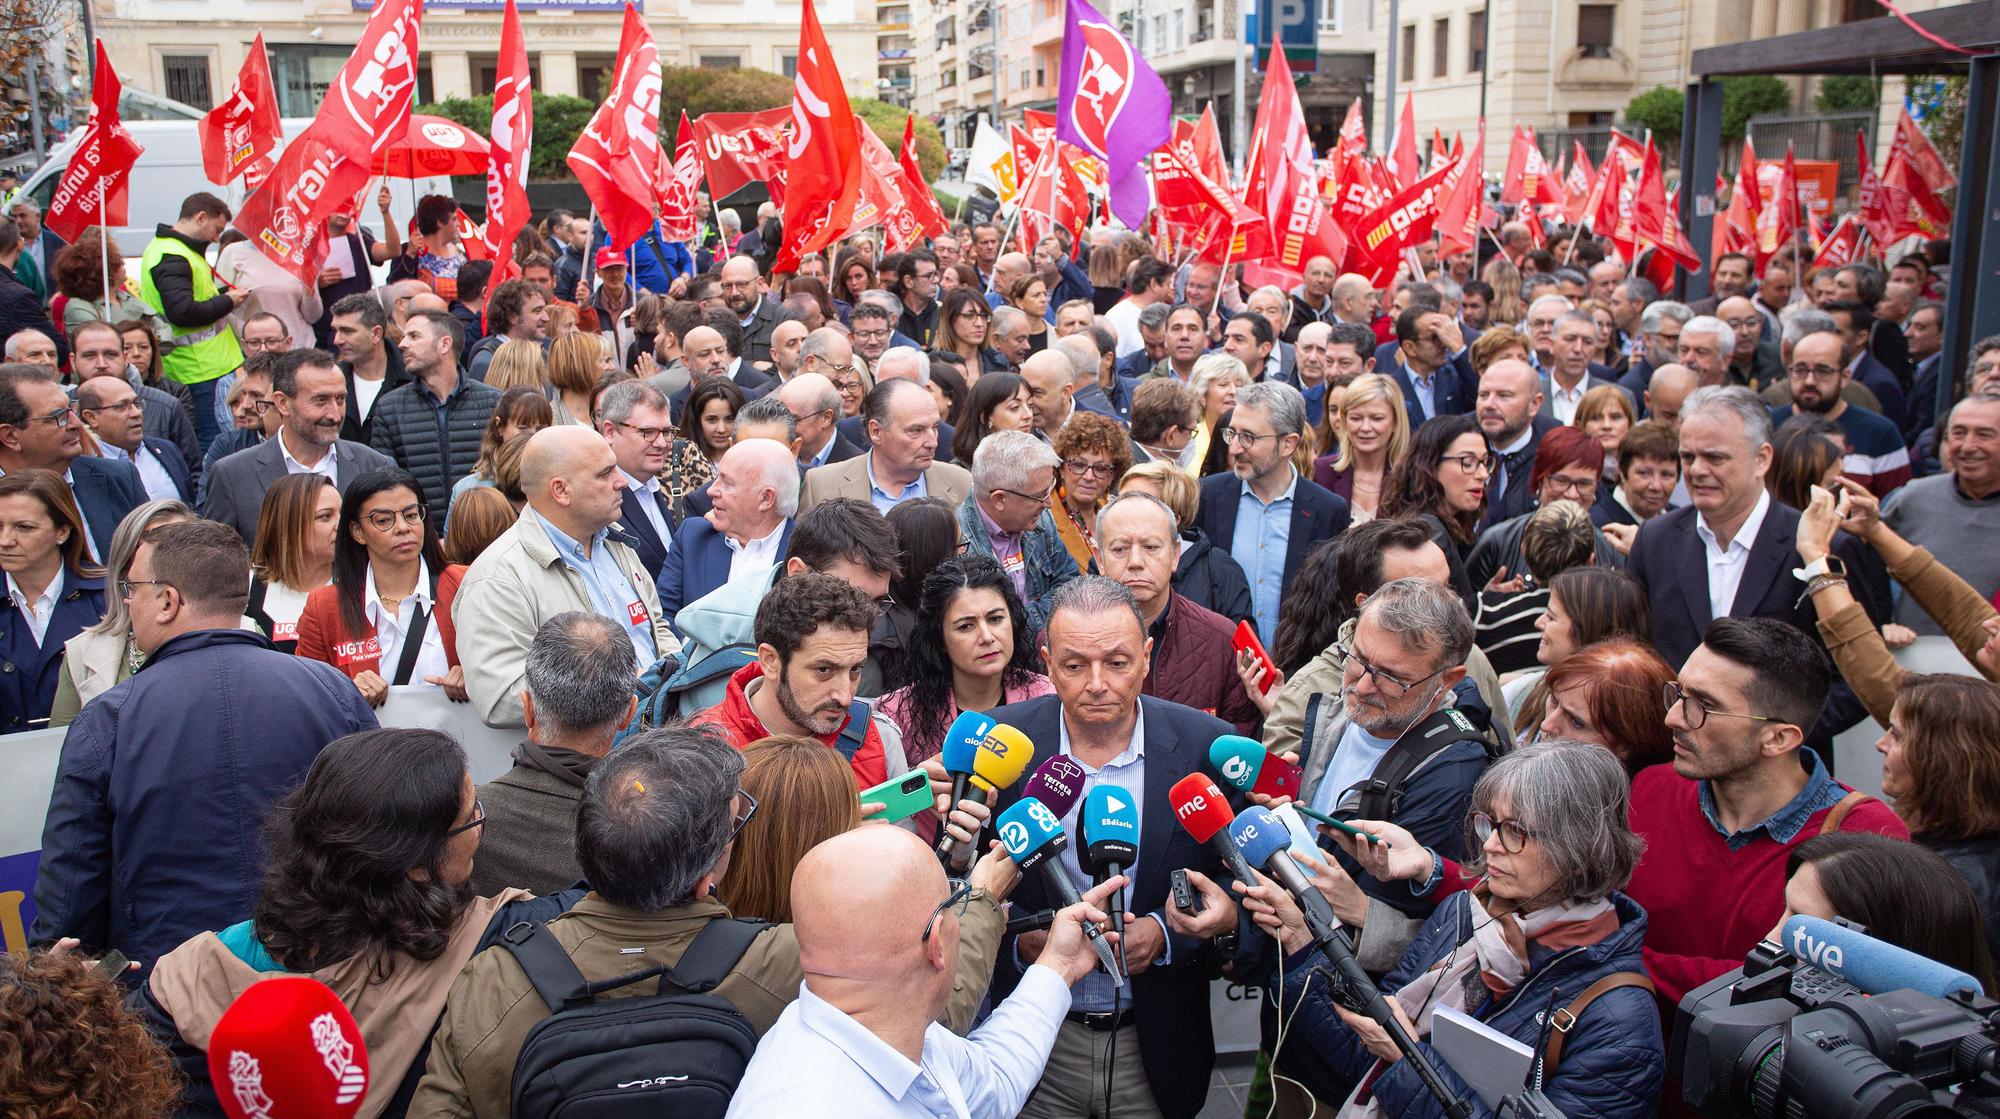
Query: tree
x=559, y=120
x=1845, y=93
x=1750, y=95
x=1660, y=109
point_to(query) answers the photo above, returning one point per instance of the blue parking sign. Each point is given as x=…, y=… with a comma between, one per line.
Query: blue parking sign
x=1297, y=23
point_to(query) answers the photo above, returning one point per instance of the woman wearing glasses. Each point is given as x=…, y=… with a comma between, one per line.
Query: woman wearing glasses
x=1569, y=463
x=1095, y=452
x=366, y=870
x=1545, y=923
x=374, y=622
x=1443, y=481
x=962, y=329
x=53, y=592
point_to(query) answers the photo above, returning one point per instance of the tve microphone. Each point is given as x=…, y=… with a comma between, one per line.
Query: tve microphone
x=1205, y=813
x=1244, y=763
x=1266, y=843
x=1875, y=966
x=287, y=1047
x=1110, y=827
x=1057, y=783
x=996, y=760
x=1033, y=838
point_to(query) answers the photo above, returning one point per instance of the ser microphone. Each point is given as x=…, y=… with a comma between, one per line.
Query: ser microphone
x=1875, y=966
x=1244, y=763
x=287, y=1046
x=1205, y=814
x=1033, y=838
x=998, y=758
x=1110, y=827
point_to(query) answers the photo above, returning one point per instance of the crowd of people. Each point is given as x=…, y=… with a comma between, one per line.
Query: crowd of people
x=1560, y=587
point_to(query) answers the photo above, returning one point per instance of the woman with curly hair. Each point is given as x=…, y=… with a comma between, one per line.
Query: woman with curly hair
x=68, y=1046
x=1095, y=453
x=78, y=272
x=366, y=869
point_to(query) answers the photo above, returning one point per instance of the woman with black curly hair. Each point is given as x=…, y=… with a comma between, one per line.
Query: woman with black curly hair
x=365, y=889
x=434, y=255
x=68, y=1046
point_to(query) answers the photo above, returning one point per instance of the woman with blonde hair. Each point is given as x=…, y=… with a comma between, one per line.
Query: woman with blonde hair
x=1495, y=343
x=575, y=364
x=816, y=790
x=294, y=554
x=518, y=363
x=1505, y=280
x=1374, y=434
x=103, y=654
x=1214, y=379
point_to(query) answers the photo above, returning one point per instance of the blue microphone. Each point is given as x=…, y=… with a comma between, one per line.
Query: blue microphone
x=1875, y=966
x=1034, y=838
x=1267, y=844
x=1110, y=826
x=959, y=751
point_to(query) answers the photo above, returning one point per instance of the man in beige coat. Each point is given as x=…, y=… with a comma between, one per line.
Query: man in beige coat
x=561, y=555
x=901, y=464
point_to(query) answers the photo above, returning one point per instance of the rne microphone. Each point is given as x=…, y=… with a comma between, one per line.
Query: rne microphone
x=1057, y=783
x=1205, y=814
x=1110, y=826
x=1034, y=838
x=996, y=760
x=288, y=1047
x=1244, y=763
x=1875, y=966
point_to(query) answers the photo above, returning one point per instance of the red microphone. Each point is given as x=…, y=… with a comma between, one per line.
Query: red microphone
x=1205, y=813
x=287, y=1048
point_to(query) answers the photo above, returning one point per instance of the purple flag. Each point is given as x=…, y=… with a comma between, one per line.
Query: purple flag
x=1112, y=105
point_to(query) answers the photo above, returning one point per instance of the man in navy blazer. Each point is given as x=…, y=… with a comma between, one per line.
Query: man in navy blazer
x=751, y=506
x=40, y=431
x=111, y=409
x=1268, y=422
x=1142, y=745
x=1431, y=367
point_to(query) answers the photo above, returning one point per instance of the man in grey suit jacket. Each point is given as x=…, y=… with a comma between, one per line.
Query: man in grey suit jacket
x=1571, y=373
x=900, y=464
x=310, y=395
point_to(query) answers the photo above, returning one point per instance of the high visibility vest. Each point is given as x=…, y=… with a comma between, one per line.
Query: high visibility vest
x=200, y=353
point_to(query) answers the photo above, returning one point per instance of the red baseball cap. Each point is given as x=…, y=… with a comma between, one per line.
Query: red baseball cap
x=608, y=257
x=288, y=1048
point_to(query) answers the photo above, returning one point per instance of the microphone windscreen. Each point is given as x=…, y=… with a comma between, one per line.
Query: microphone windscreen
x=1237, y=759
x=1200, y=806
x=1002, y=757
x=961, y=741
x=1109, y=817
x=287, y=1048
x=1259, y=835
x=1875, y=966
x=1058, y=783
x=1030, y=832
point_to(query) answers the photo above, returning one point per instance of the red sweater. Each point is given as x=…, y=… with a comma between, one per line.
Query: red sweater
x=735, y=718
x=1706, y=905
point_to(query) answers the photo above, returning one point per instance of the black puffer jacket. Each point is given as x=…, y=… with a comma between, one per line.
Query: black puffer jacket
x=438, y=447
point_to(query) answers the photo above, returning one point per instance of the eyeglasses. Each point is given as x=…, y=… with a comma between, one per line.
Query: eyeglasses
x=1390, y=685
x=798, y=419
x=1093, y=469
x=1695, y=713
x=647, y=434
x=62, y=417
x=258, y=406
x=125, y=586
x=1578, y=488
x=1042, y=500
x=478, y=818
x=969, y=313
x=1249, y=439
x=1513, y=837
x=742, y=819
x=957, y=901
x=850, y=367
x=1805, y=372
x=1473, y=464
x=126, y=406
x=871, y=335
x=382, y=520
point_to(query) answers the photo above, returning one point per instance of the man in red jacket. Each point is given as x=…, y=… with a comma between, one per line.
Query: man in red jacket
x=1739, y=796
x=812, y=639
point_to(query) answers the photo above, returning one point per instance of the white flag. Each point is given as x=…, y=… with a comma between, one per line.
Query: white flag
x=991, y=164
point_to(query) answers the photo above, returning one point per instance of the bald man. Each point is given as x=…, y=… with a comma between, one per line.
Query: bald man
x=865, y=1028
x=1051, y=380
x=815, y=407
x=743, y=292
x=785, y=340
x=1008, y=268
x=1669, y=387
x=751, y=505
x=560, y=555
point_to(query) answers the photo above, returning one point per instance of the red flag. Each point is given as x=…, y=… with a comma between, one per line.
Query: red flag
x=1790, y=216
x=472, y=235
x=1352, y=146
x=1924, y=158
x=680, y=216
x=1404, y=163
x=92, y=188
x=617, y=158
x=1041, y=127
x=736, y=149
x=1516, y=187
x=881, y=202
x=1398, y=224
x=512, y=133
x=1875, y=211
x=916, y=192
x=824, y=151
x=1576, y=184
x=1913, y=190
x=1649, y=206
x=1843, y=246
x=1458, y=215
x=1280, y=186
x=245, y=127
x=1026, y=154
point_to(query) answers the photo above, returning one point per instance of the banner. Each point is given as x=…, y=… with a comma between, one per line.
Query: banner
x=991, y=163
x=617, y=157
x=512, y=133
x=737, y=149
x=680, y=200
x=242, y=131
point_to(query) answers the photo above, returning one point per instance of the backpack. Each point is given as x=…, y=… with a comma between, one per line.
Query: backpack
x=676, y=1054
x=1382, y=793
x=664, y=689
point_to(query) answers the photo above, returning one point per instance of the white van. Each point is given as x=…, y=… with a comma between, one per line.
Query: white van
x=170, y=169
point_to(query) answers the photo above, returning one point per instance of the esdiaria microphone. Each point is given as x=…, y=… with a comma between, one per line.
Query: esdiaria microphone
x=1109, y=824
x=1033, y=838
x=1875, y=966
x=1205, y=814
x=287, y=1048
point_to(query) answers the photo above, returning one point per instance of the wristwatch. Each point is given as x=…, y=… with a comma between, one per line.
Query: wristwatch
x=1826, y=564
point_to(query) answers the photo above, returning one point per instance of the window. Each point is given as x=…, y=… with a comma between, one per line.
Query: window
x=788, y=64
x=719, y=62
x=187, y=79
x=1406, y=66
x=1475, y=42
x=593, y=75
x=1593, y=29
x=486, y=73
x=1329, y=17
x=304, y=72
x=1041, y=72
x=1590, y=120
x=1180, y=29
x=1440, y=48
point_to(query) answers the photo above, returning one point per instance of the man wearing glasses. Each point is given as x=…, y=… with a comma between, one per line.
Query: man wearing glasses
x=742, y=291
x=815, y=407
x=1007, y=517
x=111, y=410
x=97, y=350
x=633, y=419
x=1568, y=466
x=655, y=832
x=918, y=273
x=40, y=431
x=1876, y=456
x=1721, y=822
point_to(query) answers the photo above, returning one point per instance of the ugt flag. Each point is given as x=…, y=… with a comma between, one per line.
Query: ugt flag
x=92, y=190
x=1112, y=105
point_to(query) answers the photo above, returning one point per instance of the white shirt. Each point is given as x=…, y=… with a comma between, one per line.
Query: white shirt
x=650, y=505
x=159, y=484
x=40, y=610
x=1124, y=318
x=816, y=1054
x=1563, y=402
x=365, y=393
x=1727, y=561
x=753, y=554
x=390, y=629
x=283, y=605
x=293, y=466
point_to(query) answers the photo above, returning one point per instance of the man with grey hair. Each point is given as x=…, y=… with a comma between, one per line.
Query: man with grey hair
x=900, y=421
x=30, y=346
x=1264, y=513
x=1086, y=365
x=827, y=352
x=1706, y=345
x=653, y=836
x=633, y=418
x=1954, y=514
x=39, y=246
x=1543, y=314
x=1007, y=517
x=1573, y=371
x=1668, y=391
x=579, y=696
x=907, y=362
x=1152, y=340
x=752, y=502
x=1658, y=339
x=1009, y=339
x=815, y=407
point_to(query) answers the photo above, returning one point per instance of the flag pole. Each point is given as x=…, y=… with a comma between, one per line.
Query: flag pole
x=104, y=244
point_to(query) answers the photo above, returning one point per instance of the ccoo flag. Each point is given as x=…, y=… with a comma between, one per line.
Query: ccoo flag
x=1112, y=105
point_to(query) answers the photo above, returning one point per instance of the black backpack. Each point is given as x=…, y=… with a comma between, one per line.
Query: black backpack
x=675, y=1054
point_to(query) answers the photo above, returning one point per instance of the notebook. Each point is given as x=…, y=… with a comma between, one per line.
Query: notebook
x=1494, y=1064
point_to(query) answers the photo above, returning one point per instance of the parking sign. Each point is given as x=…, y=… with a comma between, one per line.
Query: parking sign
x=1297, y=23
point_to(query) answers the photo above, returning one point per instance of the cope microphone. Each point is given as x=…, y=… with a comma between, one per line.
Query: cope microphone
x=1244, y=763
x=1205, y=814
x=287, y=1047
x=1033, y=838
x=1876, y=967
x=1110, y=827
x=997, y=760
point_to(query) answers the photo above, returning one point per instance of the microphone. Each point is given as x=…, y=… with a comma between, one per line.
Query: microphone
x=1266, y=842
x=1875, y=966
x=961, y=746
x=1057, y=783
x=288, y=1047
x=1033, y=838
x=1205, y=814
x=997, y=759
x=1244, y=763
x=1110, y=827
